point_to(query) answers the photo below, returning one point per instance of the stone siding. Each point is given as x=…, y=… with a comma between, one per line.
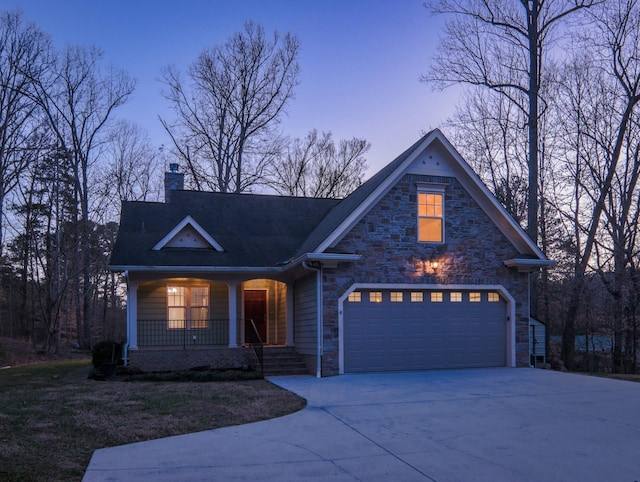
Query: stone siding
x=473, y=253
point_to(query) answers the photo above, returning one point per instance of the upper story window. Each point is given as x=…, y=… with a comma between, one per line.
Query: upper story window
x=431, y=214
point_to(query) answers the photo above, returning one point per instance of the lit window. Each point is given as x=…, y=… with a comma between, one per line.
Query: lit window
x=494, y=297
x=475, y=297
x=430, y=217
x=375, y=296
x=456, y=297
x=436, y=297
x=416, y=297
x=396, y=296
x=187, y=307
x=355, y=297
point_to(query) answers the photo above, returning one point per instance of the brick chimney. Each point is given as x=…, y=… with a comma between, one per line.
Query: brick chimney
x=173, y=181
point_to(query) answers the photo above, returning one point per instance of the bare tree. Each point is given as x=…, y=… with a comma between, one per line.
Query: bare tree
x=316, y=167
x=130, y=171
x=500, y=45
x=603, y=93
x=79, y=100
x=486, y=130
x=24, y=51
x=226, y=116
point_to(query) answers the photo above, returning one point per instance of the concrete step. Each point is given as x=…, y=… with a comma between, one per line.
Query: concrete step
x=283, y=361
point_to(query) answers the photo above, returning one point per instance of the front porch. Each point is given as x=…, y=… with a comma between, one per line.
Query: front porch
x=179, y=323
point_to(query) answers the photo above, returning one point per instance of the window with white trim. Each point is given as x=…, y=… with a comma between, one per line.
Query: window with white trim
x=430, y=217
x=187, y=307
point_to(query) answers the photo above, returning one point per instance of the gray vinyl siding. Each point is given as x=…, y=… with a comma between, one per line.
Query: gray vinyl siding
x=152, y=300
x=305, y=315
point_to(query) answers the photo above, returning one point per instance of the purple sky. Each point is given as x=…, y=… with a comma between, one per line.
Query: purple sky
x=360, y=60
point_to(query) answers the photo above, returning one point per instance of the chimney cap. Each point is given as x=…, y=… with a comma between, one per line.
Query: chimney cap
x=173, y=167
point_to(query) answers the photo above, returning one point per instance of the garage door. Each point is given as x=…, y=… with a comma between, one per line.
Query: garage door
x=389, y=330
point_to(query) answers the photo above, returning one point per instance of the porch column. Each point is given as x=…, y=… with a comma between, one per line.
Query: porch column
x=233, y=315
x=132, y=312
x=289, y=341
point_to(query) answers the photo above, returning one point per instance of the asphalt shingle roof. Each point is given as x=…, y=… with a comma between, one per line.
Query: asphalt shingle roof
x=254, y=230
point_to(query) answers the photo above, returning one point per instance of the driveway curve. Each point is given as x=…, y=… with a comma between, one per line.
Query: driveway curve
x=499, y=424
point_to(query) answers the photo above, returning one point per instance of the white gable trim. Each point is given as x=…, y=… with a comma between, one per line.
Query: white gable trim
x=180, y=226
x=469, y=180
x=374, y=197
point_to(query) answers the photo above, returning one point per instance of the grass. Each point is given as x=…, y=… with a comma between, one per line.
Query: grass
x=52, y=417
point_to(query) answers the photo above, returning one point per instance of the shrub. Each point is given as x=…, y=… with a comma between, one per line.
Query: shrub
x=106, y=352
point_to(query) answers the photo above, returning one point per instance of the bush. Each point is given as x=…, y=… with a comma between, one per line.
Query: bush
x=106, y=352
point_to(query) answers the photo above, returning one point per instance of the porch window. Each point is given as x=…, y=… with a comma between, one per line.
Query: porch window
x=187, y=307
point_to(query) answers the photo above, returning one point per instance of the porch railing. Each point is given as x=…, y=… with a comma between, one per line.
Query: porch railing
x=158, y=333
x=254, y=341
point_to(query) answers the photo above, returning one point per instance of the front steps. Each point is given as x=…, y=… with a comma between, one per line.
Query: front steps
x=282, y=360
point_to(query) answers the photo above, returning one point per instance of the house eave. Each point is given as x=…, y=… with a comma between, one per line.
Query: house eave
x=526, y=265
x=197, y=269
x=328, y=260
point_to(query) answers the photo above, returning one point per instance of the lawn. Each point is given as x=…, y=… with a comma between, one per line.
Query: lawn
x=52, y=417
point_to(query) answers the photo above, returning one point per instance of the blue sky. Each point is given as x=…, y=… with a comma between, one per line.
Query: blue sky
x=360, y=60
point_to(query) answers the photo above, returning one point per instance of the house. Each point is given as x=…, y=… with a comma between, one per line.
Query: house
x=419, y=268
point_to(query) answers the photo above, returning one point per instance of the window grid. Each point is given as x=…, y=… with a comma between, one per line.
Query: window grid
x=455, y=297
x=417, y=297
x=375, y=296
x=396, y=296
x=355, y=297
x=436, y=297
x=187, y=307
x=475, y=297
x=493, y=297
x=430, y=217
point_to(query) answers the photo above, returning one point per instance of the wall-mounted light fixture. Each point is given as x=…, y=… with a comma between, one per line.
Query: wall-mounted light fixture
x=434, y=265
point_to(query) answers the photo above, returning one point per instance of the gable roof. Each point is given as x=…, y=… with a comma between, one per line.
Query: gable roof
x=353, y=208
x=274, y=231
x=254, y=230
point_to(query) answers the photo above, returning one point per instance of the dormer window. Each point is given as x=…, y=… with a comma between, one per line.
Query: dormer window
x=431, y=214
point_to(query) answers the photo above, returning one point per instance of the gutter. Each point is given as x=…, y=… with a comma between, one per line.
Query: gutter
x=318, y=270
x=325, y=258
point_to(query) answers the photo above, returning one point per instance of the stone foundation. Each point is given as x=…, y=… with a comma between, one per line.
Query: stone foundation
x=168, y=359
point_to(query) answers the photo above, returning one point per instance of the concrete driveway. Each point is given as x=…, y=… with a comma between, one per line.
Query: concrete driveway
x=470, y=425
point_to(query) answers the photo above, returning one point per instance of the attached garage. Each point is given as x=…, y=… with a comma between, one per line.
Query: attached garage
x=420, y=329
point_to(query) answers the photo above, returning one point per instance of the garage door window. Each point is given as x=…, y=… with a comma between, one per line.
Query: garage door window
x=417, y=297
x=355, y=297
x=456, y=297
x=375, y=297
x=494, y=297
x=396, y=296
x=475, y=297
x=436, y=297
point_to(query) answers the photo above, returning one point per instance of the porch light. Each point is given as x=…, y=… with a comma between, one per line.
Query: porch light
x=434, y=265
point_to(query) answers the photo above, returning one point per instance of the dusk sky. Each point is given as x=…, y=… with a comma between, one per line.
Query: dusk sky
x=360, y=60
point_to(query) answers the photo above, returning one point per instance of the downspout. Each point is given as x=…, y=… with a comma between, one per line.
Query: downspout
x=318, y=270
x=125, y=350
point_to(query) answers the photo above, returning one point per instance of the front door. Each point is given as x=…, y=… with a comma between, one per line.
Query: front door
x=255, y=308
